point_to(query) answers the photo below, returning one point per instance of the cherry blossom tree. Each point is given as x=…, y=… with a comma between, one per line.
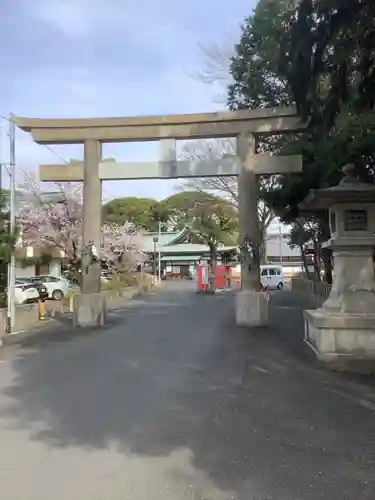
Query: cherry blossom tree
x=121, y=246
x=54, y=218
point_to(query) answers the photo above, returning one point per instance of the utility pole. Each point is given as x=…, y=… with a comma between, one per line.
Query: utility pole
x=155, y=239
x=12, y=264
x=280, y=244
x=159, y=255
x=1, y=160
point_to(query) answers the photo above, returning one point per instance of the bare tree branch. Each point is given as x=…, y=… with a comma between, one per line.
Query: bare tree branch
x=226, y=187
x=216, y=71
x=217, y=60
x=215, y=68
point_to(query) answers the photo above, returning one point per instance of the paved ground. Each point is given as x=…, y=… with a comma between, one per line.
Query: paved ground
x=173, y=402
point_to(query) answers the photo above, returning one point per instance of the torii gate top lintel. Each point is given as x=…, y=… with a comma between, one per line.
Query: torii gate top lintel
x=262, y=121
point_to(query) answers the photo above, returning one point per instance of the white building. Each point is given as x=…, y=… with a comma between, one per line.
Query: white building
x=278, y=249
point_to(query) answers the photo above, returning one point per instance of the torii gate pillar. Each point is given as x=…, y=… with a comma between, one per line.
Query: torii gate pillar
x=92, y=204
x=252, y=306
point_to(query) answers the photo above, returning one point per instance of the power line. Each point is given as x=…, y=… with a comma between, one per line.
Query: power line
x=54, y=152
x=45, y=145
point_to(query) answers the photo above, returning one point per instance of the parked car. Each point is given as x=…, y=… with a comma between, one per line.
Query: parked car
x=25, y=293
x=106, y=276
x=57, y=287
x=42, y=289
x=73, y=282
x=272, y=276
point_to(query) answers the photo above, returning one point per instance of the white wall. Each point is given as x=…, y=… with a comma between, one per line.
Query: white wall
x=273, y=246
x=24, y=272
x=55, y=267
x=29, y=271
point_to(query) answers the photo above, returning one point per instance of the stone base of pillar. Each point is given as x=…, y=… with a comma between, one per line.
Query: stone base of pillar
x=156, y=283
x=344, y=342
x=90, y=309
x=252, y=308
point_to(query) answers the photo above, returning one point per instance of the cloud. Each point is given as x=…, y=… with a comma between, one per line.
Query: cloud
x=107, y=58
x=74, y=18
x=126, y=29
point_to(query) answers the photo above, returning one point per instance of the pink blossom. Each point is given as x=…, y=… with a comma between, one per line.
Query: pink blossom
x=58, y=223
x=121, y=244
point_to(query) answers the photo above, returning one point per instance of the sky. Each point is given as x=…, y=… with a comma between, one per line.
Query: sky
x=91, y=58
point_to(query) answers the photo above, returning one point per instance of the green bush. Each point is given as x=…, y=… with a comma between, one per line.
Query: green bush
x=118, y=282
x=71, y=293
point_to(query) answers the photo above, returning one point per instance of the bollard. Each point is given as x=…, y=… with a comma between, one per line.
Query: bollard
x=42, y=310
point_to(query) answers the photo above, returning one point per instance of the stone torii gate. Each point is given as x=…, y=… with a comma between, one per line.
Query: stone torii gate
x=245, y=125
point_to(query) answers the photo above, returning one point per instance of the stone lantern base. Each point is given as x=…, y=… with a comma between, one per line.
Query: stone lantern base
x=342, y=342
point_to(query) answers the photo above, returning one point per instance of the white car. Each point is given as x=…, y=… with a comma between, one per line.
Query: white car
x=272, y=276
x=57, y=287
x=25, y=293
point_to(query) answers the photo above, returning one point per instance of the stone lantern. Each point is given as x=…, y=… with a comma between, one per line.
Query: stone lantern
x=342, y=331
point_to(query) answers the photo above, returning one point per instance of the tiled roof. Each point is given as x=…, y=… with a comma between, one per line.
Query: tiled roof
x=166, y=239
x=185, y=248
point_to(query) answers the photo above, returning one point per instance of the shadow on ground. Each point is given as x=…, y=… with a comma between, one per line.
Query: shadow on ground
x=176, y=373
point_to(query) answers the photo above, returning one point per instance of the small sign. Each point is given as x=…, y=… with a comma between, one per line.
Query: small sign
x=29, y=252
x=356, y=220
x=204, y=275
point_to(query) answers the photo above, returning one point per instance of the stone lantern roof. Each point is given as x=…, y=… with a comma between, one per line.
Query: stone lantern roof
x=349, y=190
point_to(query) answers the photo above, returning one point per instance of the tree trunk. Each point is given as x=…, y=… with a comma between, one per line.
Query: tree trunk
x=262, y=252
x=326, y=254
x=316, y=261
x=304, y=261
x=213, y=266
x=73, y=267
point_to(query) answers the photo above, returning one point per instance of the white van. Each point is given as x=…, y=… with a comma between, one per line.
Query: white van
x=272, y=276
